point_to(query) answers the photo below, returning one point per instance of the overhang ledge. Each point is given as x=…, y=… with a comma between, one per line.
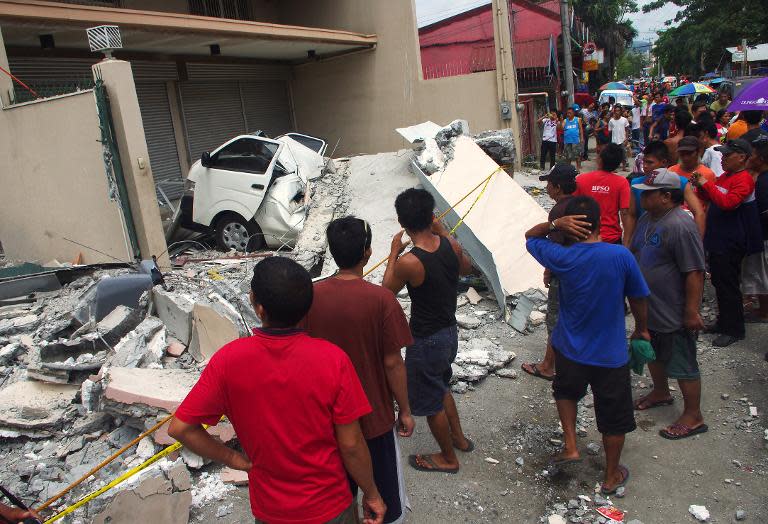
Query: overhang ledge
x=33, y=11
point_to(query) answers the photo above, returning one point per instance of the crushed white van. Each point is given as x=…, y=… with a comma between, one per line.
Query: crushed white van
x=252, y=190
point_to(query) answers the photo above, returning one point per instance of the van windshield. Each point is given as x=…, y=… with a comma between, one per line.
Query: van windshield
x=622, y=97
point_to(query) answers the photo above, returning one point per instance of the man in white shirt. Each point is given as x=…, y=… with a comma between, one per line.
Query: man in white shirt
x=712, y=158
x=637, y=135
x=619, y=129
x=548, y=139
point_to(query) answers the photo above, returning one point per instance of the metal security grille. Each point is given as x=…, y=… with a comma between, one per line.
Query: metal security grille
x=233, y=9
x=266, y=107
x=213, y=114
x=161, y=140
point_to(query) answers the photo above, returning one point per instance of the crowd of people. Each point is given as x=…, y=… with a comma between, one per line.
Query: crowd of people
x=320, y=395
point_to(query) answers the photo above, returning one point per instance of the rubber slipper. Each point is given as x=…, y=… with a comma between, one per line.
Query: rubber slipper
x=651, y=405
x=470, y=447
x=432, y=466
x=625, y=479
x=536, y=373
x=688, y=431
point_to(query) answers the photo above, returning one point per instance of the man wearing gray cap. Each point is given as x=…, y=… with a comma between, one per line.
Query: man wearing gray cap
x=733, y=232
x=669, y=251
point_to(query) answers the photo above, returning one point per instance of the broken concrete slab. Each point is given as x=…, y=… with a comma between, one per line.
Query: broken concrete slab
x=153, y=498
x=142, y=346
x=419, y=132
x=118, y=323
x=210, y=331
x=504, y=212
x=473, y=296
x=175, y=348
x=141, y=394
x=374, y=181
x=234, y=476
x=31, y=405
x=175, y=310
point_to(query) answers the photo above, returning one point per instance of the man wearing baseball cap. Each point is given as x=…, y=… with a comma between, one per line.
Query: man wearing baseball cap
x=733, y=232
x=561, y=183
x=689, y=162
x=669, y=251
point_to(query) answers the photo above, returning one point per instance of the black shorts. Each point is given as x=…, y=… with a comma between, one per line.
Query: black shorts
x=611, y=387
x=386, y=474
x=428, y=365
x=676, y=351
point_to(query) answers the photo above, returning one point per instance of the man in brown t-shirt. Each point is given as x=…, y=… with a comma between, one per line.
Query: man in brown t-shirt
x=367, y=322
x=561, y=183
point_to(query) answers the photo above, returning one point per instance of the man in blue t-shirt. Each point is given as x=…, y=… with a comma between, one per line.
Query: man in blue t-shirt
x=589, y=339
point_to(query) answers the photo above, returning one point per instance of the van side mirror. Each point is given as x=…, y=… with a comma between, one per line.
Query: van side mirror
x=205, y=159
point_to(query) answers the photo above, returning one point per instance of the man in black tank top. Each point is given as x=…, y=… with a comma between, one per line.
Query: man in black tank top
x=431, y=273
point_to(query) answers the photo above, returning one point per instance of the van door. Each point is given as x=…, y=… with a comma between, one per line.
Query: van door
x=237, y=178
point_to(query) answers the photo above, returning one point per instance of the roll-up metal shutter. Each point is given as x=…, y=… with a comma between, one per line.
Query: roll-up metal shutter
x=266, y=106
x=161, y=141
x=213, y=113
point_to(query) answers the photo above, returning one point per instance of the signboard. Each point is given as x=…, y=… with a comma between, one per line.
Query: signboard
x=737, y=56
x=590, y=65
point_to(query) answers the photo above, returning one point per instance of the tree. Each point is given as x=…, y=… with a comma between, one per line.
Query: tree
x=630, y=64
x=606, y=20
x=704, y=28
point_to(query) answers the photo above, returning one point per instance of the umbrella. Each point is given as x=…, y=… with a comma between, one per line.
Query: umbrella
x=691, y=89
x=710, y=75
x=718, y=80
x=621, y=86
x=752, y=97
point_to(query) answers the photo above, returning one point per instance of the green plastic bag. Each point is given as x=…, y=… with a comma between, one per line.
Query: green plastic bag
x=640, y=353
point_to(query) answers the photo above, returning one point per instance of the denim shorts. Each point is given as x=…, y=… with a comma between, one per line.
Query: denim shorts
x=428, y=364
x=676, y=351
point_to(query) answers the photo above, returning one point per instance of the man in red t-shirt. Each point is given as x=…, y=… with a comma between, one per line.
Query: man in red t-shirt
x=294, y=402
x=370, y=326
x=611, y=192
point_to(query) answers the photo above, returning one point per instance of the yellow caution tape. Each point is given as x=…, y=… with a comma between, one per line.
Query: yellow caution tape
x=122, y=478
x=461, y=220
x=125, y=476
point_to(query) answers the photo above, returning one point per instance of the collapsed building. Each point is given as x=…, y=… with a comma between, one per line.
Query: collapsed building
x=93, y=356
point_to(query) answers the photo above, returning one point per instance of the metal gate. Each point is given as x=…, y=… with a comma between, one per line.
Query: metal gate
x=527, y=129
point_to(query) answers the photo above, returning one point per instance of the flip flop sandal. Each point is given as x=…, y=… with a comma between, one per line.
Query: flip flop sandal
x=625, y=473
x=432, y=466
x=470, y=447
x=536, y=373
x=688, y=431
x=650, y=405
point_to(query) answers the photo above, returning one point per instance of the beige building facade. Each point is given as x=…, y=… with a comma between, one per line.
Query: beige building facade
x=204, y=71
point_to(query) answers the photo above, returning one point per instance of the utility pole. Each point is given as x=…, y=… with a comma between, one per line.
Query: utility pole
x=565, y=22
x=744, y=63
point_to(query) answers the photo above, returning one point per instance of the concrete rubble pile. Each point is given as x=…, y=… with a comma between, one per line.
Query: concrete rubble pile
x=75, y=388
x=83, y=373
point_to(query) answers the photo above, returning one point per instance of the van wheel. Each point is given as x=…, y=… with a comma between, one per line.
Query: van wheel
x=234, y=232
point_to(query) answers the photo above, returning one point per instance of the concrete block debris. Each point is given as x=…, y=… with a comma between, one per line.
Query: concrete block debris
x=700, y=513
x=175, y=310
x=33, y=407
x=234, y=476
x=154, y=495
x=210, y=331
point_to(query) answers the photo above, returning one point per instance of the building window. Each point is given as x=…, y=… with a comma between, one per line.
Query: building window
x=233, y=9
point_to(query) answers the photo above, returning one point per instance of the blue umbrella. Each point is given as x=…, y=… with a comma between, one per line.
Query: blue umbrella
x=710, y=75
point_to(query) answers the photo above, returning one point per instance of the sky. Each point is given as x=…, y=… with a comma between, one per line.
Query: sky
x=430, y=11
